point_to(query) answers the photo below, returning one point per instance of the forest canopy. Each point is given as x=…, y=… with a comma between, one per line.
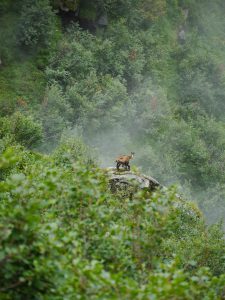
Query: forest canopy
x=80, y=83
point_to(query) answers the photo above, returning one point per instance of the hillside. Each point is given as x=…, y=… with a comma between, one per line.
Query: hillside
x=82, y=82
x=146, y=76
x=65, y=236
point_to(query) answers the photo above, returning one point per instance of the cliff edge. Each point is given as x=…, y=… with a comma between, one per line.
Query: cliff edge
x=124, y=180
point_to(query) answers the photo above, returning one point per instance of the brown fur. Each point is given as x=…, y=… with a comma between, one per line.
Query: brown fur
x=124, y=161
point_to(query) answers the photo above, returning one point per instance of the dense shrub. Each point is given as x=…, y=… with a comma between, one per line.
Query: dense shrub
x=23, y=129
x=37, y=23
x=151, y=81
x=27, y=132
x=55, y=113
x=71, y=151
x=65, y=236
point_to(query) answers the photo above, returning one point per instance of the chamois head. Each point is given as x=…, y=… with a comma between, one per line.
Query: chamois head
x=132, y=154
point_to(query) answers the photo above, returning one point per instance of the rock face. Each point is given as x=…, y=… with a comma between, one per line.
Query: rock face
x=127, y=180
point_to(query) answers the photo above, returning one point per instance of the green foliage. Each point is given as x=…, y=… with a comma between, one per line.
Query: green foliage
x=72, y=151
x=88, y=10
x=120, y=55
x=134, y=85
x=22, y=85
x=8, y=31
x=71, y=5
x=98, y=105
x=22, y=129
x=153, y=9
x=136, y=78
x=14, y=158
x=64, y=235
x=55, y=113
x=4, y=5
x=72, y=59
x=37, y=23
x=8, y=158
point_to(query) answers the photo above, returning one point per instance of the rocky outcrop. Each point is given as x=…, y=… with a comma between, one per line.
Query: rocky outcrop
x=89, y=14
x=127, y=180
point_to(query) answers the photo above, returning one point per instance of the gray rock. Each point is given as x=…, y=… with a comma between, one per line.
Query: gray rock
x=182, y=35
x=123, y=180
x=103, y=20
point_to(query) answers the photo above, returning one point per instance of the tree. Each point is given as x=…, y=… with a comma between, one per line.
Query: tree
x=37, y=23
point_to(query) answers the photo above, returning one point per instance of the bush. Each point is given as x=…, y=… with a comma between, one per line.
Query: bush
x=37, y=23
x=55, y=113
x=23, y=129
x=98, y=104
x=61, y=226
x=65, y=236
x=73, y=151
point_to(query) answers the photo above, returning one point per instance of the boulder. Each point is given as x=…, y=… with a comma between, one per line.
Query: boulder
x=127, y=180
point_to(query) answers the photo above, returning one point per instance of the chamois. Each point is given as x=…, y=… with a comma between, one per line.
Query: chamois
x=124, y=161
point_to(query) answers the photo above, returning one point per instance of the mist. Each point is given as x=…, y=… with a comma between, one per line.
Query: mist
x=81, y=83
x=145, y=81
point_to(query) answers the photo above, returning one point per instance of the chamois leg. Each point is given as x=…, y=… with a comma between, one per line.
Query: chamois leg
x=127, y=166
x=118, y=166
